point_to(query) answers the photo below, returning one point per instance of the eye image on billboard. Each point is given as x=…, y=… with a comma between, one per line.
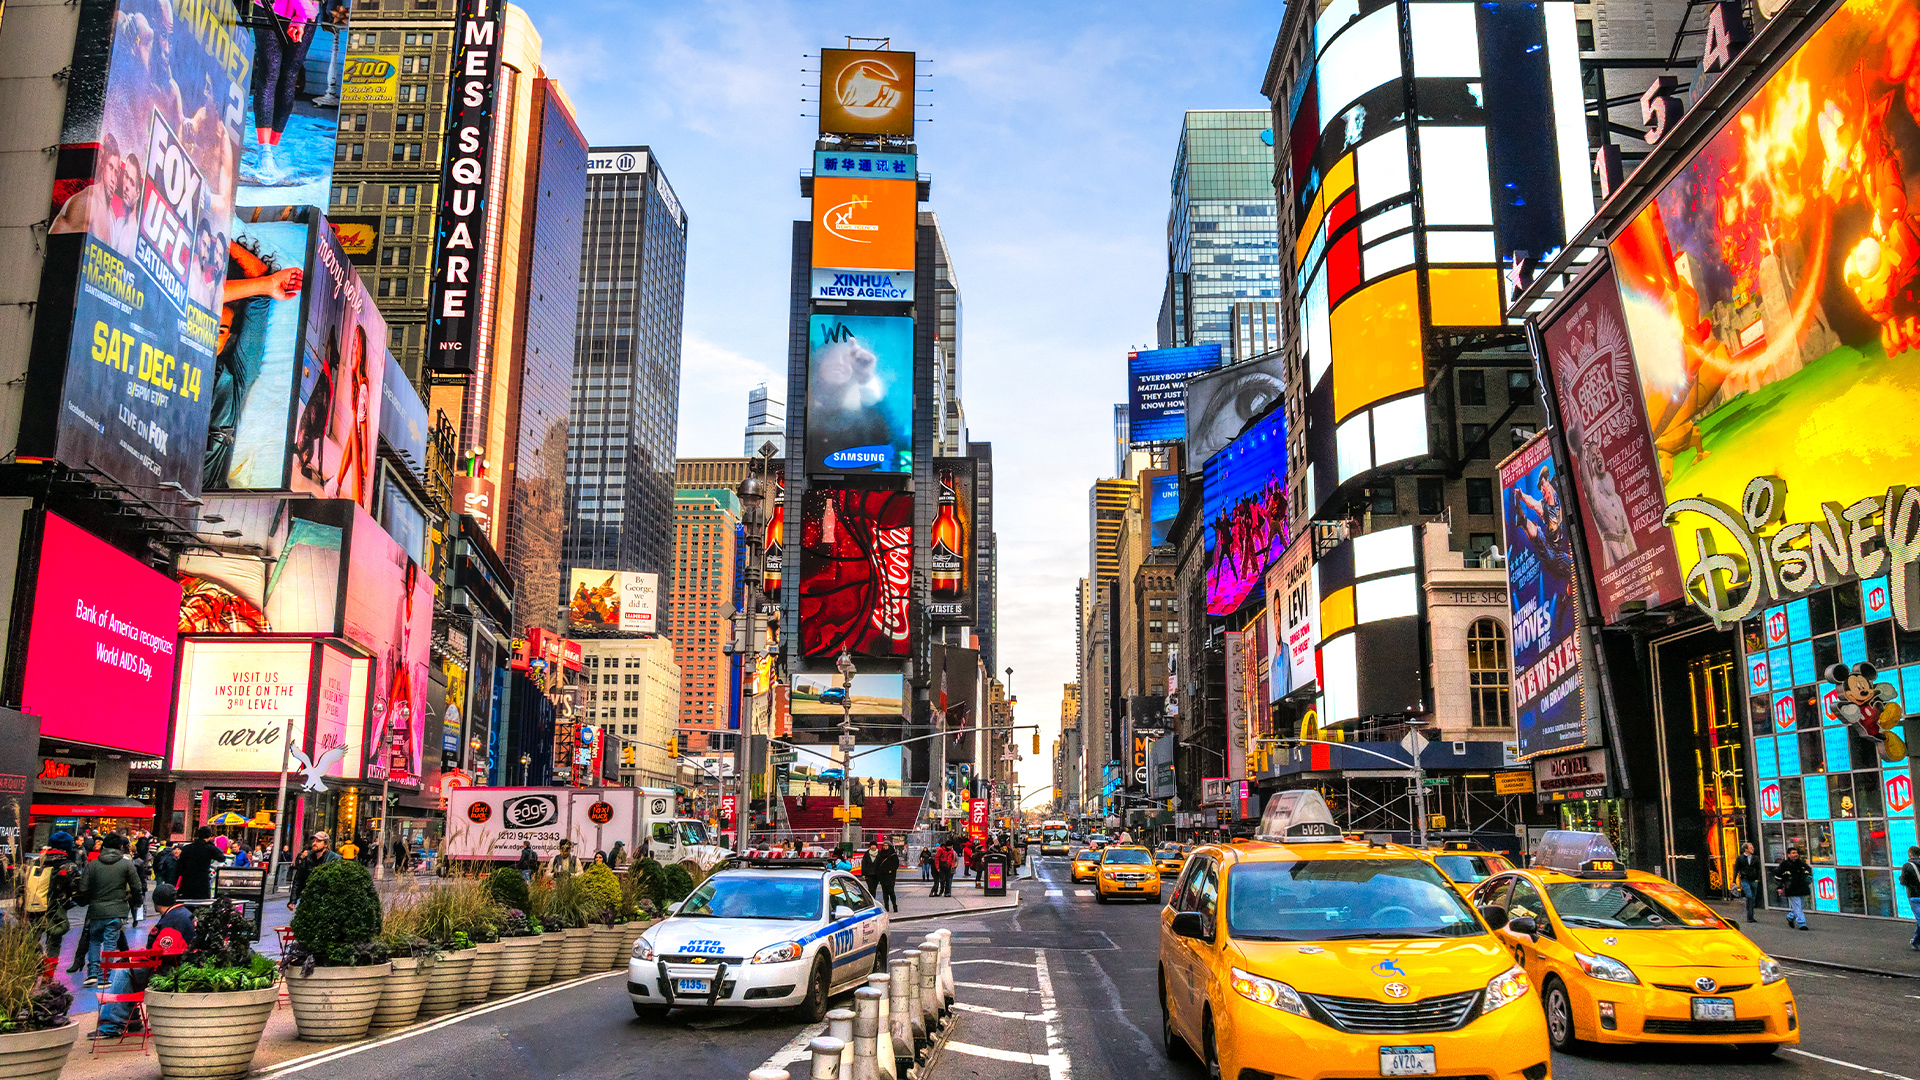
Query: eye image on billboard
x=337, y=411
x=1220, y=403
x=259, y=346
x=291, y=586
x=1776, y=275
x=861, y=223
x=1157, y=391
x=856, y=572
x=860, y=394
x=866, y=92
x=138, y=246
x=1245, y=505
x=293, y=113
x=951, y=549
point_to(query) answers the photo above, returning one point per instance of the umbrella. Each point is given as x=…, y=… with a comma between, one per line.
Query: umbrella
x=228, y=818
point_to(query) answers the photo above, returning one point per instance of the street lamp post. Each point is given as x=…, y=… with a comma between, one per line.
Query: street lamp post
x=753, y=493
x=845, y=667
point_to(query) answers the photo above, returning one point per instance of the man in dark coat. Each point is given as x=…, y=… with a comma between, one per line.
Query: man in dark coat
x=195, y=866
x=1795, y=880
x=879, y=868
x=109, y=886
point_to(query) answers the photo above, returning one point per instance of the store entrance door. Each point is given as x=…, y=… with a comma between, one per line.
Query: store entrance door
x=1703, y=758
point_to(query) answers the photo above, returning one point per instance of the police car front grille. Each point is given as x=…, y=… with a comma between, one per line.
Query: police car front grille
x=1366, y=1017
x=701, y=959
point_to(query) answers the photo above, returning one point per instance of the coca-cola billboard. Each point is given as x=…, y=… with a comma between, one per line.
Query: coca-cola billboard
x=856, y=572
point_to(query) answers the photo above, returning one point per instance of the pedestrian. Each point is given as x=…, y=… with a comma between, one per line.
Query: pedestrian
x=349, y=850
x=63, y=841
x=564, y=863
x=1910, y=881
x=195, y=866
x=618, y=856
x=926, y=864
x=172, y=933
x=48, y=894
x=166, y=867
x=1746, y=870
x=399, y=855
x=318, y=853
x=109, y=886
x=600, y=858
x=529, y=863
x=879, y=867
x=1795, y=879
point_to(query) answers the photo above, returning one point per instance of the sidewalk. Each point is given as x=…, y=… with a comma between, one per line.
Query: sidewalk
x=916, y=904
x=1875, y=946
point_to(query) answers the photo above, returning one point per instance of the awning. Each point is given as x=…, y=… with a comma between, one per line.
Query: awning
x=107, y=806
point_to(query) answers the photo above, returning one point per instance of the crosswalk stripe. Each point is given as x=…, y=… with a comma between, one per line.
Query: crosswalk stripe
x=1055, y=892
x=1083, y=892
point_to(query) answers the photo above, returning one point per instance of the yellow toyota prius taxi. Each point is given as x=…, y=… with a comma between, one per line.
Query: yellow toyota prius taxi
x=1308, y=955
x=1086, y=865
x=1467, y=866
x=1622, y=956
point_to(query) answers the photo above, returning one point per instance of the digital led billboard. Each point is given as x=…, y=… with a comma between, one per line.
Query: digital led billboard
x=460, y=259
x=289, y=584
x=1245, y=510
x=864, y=223
x=1220, y=403
x=126, y=331
x=612, y=600
x=293, y=114
x=237, y=699
x=99, y=656
x=866, y=92
x=343, y=363
x=389, y=611
x=259, y=348
x=952, y=550
x=1368, y=658
x=1549, y=693
x=856, y=572
x=1157, y=391
x=871, y=695
x=859, y=394
x=1163, y=505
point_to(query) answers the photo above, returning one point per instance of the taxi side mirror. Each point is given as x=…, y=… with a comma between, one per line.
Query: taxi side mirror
x=1190, y=924
x=1496, y=916
x=1524, y=926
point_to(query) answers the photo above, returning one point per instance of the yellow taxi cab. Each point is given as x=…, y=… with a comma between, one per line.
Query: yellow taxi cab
x=1467, y=866
x=1170, y=858
x=1622, y=956
x=1127, y=871
x=1308, y=955
x=1086, y=865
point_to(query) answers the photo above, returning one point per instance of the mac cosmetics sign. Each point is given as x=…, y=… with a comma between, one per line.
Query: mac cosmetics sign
x=454, y=325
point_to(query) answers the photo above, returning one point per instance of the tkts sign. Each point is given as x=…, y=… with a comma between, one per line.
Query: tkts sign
x=460, y=262
x=1771, y=561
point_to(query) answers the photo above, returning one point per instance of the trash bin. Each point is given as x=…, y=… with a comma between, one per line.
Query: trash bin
x=997, y=865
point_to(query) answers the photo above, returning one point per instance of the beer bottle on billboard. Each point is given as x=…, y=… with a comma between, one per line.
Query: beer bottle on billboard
x=949, y=543
x=776, y=531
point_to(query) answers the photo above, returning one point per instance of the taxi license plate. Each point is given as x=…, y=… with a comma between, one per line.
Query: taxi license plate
x=690, y=986
x=1406, y=1061
x=1712, y=1008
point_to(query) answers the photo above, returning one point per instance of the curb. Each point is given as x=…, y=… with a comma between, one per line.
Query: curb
x=1836, y=965
x=963, y=911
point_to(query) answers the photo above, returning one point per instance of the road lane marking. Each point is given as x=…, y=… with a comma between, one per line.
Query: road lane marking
x=1039, y=1017
x=996, y=1054
x=1055, y=892
x=997, y=986
x=1083, y=892
x=1059, y=1065
x=1007, y=963
x=797, y=1048
x=1847, y=1064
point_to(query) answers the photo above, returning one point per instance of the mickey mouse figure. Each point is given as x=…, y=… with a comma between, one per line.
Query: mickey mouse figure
x=1869, y=708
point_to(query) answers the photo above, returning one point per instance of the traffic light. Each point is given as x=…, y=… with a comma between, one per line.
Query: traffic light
x=1036, y=742
x=673, y=746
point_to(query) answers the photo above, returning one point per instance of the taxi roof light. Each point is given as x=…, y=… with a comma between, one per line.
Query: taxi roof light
x=1297, y=816
x=1582, y=854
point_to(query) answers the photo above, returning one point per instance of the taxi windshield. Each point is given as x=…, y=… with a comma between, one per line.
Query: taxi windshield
x=754, y=898
x=1169, y=853
x=1131, y=856
x=1344, y=899
x=1468, y=869
x=1637, y=905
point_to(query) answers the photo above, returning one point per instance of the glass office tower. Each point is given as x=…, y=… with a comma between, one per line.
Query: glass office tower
x=1221, y=242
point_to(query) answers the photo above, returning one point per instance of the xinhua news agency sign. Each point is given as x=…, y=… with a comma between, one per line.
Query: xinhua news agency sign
x=453, y=329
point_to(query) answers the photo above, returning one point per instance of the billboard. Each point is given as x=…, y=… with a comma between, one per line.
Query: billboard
x=1293, y=611
x=137, y=245
x=1548, y=691
x=856, y=572
x=404, y=424
x=1369, y=660
x=952, y=551
x=894, y=286
x=1163, y=505
x=859, y=394
x=389, y=611
x=1622, y=506
x=99, y=655
x=851, y=162
x=284, y=575
x=613, y=600
x=343, y=364
x=1245, y=506
x=864, y=223
x=237, y=698
x=872, y=695
x=268, y=289
x=866, y=92
x=1221, y=403
x=359, y=237
x=293, y=113
x=1157, y=391
x=1236, y=672
x=459, y=263
x=370, y=79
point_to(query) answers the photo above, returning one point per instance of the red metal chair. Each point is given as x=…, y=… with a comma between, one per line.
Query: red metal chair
x=286, y=942
x=129, y=960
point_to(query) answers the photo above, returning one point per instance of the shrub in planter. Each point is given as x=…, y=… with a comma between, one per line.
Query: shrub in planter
x=208, y=1013
x=599, y=892
x=507, y=888
x=412, y=958
x=35, y=1034
x=336, y=968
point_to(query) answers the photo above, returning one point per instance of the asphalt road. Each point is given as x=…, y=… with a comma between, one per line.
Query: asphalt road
x=1060, y=989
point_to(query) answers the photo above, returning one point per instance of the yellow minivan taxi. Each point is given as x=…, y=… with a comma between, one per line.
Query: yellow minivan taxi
x=1309, y=955
x=1622, y=956
x=1127, y=872
x=1467, y=867
x=1086, y=865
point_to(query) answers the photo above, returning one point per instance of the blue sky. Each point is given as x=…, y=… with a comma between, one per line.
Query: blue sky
x=1051, y=141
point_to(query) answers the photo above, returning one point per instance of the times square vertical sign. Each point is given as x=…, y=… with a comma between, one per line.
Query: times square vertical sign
x=459, y=263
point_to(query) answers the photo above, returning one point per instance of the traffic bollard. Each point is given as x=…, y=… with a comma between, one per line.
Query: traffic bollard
x=768, y=1074
x=826, y=1057
x=930, y=986
x=903, y=988
x=840, y=1026
x=883, y=1048
x=946, y=967
x=866, y=1034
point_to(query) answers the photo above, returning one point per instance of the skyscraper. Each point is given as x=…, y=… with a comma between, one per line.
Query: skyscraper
x=1221, y=244
x=706, y=583
x=766, y=422
x=626, y=370
x=950, y=427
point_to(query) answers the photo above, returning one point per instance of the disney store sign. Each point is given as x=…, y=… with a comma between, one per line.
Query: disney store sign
x=1774, y=561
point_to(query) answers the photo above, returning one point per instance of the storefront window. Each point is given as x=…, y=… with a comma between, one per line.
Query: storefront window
x=1605, y=816
x=1720, y=758
x=1822, y=782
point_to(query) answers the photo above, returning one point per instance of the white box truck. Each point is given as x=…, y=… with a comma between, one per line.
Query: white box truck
x=491, y=824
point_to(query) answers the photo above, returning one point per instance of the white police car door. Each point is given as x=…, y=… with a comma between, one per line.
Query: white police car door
x=847, y=892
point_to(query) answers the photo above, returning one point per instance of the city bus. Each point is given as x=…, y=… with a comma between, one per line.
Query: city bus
x=1054, y=839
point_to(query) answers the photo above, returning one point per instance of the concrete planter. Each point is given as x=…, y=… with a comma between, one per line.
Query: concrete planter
x=516, y=965
x=544, y=958
x=573, y=953
x=208, y=1036
x=629, y=933
x=486, y=964
x=400, y=997
x=602, y=947
x=335, y=1004
x=36, y=1055
x=446, y=983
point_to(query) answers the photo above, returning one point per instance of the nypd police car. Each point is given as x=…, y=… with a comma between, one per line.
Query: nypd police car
x=761, y=934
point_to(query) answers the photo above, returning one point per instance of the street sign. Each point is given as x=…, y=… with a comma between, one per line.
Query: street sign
x=1439, y=781
x=1414, y=743
x=1512, y=783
